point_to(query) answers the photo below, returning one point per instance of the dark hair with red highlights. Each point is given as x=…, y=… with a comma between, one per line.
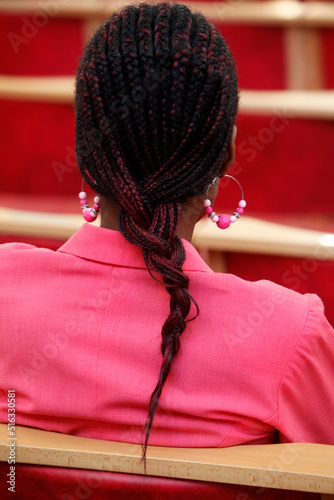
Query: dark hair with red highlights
x=156, y=100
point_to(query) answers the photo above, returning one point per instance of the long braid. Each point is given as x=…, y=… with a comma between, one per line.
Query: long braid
x=156, y=99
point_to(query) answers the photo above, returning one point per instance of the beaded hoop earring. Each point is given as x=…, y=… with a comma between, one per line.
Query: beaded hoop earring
x=224, y=221
x=89, y=214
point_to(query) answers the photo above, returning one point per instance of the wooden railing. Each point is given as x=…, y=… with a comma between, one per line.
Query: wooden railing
x=293, y=466
x=279, y=12
x=250, y=235
x=292, y=103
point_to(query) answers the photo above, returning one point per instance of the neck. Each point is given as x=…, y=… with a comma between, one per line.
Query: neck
x=189, y=216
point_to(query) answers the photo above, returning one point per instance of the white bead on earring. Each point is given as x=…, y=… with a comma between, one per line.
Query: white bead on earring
x=89, y=214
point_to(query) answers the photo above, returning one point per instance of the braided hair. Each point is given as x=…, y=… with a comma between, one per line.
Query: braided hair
x=156, y=100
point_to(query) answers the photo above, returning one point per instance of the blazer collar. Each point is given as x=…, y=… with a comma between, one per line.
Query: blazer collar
x=110, y=247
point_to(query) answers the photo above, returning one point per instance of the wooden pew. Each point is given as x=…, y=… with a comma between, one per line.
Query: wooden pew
x=294, y=466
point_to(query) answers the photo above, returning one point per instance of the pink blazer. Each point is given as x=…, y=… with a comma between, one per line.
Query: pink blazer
x=80, y=333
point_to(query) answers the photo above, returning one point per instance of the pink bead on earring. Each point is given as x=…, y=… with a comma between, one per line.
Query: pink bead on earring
x=88, y=213
x=224, y=221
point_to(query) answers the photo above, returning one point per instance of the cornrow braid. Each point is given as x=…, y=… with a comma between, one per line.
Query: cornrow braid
x=181, y=60
x=156, y=100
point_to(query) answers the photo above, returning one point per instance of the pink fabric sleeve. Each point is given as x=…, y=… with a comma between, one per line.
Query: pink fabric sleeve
x=306, y=394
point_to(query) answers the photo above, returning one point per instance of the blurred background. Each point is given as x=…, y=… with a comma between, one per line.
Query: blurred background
x=284, y=50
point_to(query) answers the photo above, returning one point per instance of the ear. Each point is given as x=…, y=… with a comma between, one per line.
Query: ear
x=232, y=147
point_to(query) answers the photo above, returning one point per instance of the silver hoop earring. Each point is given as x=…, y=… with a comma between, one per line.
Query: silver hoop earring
x=224, y=221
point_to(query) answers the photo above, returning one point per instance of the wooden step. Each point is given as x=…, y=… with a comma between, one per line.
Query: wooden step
x=248, y=235
x=316, y=104
x=279, y=12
